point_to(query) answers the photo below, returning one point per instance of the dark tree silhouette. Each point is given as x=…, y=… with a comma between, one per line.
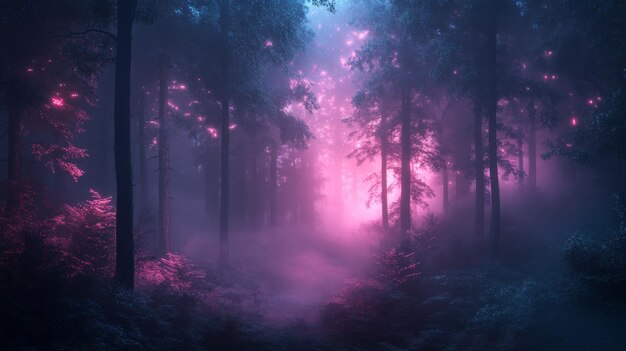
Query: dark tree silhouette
x=124, y=237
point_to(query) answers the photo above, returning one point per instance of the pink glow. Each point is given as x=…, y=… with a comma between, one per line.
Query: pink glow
x=574, y=121
x=363, y=34
x=212, y=132
x=56, y=101
x=232, y=126
x=30, y=70
x=200, y=119
x=268, y=43
x=74, y=95
x=173, y=106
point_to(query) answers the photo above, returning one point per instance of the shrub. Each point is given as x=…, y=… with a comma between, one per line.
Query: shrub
x=601, y=264
x=174, y=271
x=86, y=235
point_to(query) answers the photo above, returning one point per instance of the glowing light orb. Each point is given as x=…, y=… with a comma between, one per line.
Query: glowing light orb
x=56, y=101
x=268, y=43
x=212, y=132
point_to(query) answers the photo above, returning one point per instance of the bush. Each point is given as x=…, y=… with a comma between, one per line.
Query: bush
x=86, y=235
x=601, y=264
x=372, y=310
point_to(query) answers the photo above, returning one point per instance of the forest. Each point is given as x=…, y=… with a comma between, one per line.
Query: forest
x=345, y=175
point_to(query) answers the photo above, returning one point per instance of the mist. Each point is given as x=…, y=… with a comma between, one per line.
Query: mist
x=312, y=175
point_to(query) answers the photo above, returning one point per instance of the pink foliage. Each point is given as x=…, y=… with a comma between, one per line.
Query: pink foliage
x=173, y=271
x=86, y=235
x=396, y=267
x=60, y=158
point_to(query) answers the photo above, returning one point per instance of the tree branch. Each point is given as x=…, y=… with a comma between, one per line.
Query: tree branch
x=85, y=33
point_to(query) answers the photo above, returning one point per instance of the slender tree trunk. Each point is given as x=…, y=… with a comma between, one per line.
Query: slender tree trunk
x=492, y=107
x=273, y=184
x=255, y=199
x=355, y=185
x=405, y=172
x=446, y=202
x=532, y=148
x=225, y=191
x=479, y=170
x=337, y=181
x=384, y=146
x=211, y=188
x=164, y=162
x=141, y=146
x=14, y=157
x=224, y=20
x=125, y=245
x=520, y=161
x=308, y=200
x=462, y=157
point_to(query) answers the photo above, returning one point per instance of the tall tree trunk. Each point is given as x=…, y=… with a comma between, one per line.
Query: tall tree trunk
x=141, y=147
x=384, y=150
x=225, y=191
x=273, y=184
x=125, y=245
x=492, y=108
x=461, y=158
x=14, y=157
x=355, y=185
x=307, y=215
x=532, y=148
x=225, y=130
x=405, y=172
x=479, y=170
x=446, y=202
x=164, y=162
x=211, y=187
x=337, y=174
x=520, y=161
x=255, y=199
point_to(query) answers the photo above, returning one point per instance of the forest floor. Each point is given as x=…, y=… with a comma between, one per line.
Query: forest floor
x=295, y=271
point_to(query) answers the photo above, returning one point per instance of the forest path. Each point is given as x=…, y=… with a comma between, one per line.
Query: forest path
x=301, y=270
